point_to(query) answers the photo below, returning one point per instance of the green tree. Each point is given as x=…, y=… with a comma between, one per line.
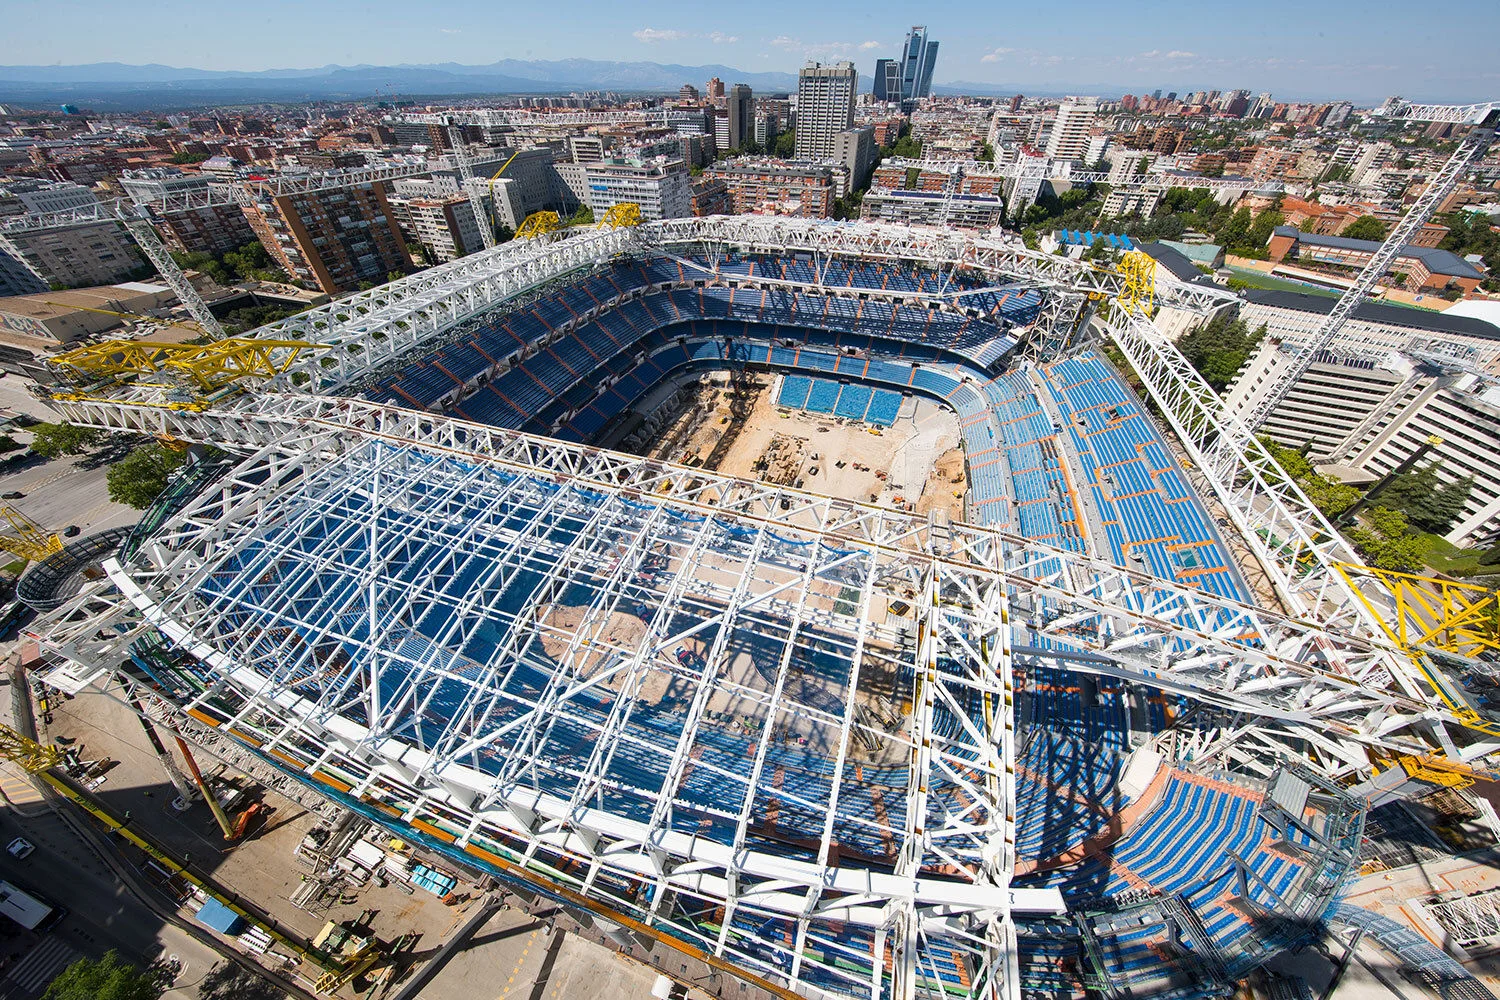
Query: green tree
x=189, y=157
x=1219, y=348
x=1031, y=239
x=583, y=217
x=138, y=478
x=1236, y=229
x=106, y=979
x=986, y=153
x=1260, y=230
x=1427, y=502
x=786, y=144
x=1387, y=543
x=908, y=147
x=55, y=440
x=1366, y=227
x=8, y=444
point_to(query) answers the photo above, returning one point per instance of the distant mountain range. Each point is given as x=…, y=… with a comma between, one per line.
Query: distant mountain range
x=112, y=86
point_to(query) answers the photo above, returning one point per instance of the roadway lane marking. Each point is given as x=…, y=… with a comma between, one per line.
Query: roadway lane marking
x=17, y=789
x=510, y=982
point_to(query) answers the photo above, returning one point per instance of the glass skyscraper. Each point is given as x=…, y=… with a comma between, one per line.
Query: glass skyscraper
x=918, y=57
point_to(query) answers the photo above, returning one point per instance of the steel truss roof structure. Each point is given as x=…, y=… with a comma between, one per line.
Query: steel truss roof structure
x=1043, y=168
x=516, y=616
x=1288, y=535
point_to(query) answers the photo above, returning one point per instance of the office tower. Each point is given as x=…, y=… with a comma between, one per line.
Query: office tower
x=1071, y=129
x=741, y=108
x=918, y=57
x=887, y=86
x=715, y=89
x=825, y=107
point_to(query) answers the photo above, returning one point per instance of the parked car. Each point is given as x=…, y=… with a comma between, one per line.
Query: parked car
x=12, y=495
x=20, y=848
x=72, y=531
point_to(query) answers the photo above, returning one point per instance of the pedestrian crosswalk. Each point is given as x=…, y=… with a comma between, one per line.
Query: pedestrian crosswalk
x=18, y=790
x=30, y=976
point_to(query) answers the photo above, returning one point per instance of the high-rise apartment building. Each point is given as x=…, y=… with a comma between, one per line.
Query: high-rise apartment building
x=887, y=86
x=855, y=149
x=337, y=238
x=42, y=197
x=715, y=89
x=767, y=129
x=1072, y=127
x=777, y=187
x=918, y=57
x=444, y=228
x=214, y=229
x=741, y=108
x=90, y=253
x=825, y=107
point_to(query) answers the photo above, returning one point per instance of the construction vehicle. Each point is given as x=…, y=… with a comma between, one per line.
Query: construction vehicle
x=355, y=950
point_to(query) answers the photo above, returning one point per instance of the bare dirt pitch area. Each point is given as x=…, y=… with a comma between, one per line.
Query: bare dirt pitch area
x=738, y=429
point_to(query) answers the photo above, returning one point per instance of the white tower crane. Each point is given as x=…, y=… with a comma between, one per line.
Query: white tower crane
x=137, y=221
x=1485, y=118
x=466, y=176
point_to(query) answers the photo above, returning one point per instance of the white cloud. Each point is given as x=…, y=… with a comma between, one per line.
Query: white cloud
x=719, y=38
x=995, y=55
x=650, y=35
x=1179, y=54
x=1150, y=55
x=451, y=31
x=819, y=50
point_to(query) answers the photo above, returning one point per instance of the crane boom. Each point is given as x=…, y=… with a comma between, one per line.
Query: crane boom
x=466, y=175
x=1485, y=118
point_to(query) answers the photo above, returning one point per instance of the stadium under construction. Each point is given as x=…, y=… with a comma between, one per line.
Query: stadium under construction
x=1105, y=724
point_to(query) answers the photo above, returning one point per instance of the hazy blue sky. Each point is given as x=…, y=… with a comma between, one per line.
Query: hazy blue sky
x=1361, y=50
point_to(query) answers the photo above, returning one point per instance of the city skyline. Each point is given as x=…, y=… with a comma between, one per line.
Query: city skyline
x=1334, y=50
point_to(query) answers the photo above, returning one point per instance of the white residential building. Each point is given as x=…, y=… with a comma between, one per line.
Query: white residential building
x=1072, y=128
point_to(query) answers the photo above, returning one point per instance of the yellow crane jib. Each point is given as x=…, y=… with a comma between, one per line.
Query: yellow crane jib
x=28, y=753
x=1436, y=771
x=211, y=366
x=1138, y=268
x=620, y=215
x=1459, y=618
x=539, y=224
x=29, y=541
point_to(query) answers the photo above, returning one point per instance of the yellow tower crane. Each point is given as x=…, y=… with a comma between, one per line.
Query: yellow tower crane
x=539, y=224
x=621, y=215
x=1432, y=613
x=28, y=540
x=1138, y=268
x=211, y=366
x=28, y=753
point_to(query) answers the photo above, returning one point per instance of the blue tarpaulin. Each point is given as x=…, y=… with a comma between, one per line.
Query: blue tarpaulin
x=220, y=917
